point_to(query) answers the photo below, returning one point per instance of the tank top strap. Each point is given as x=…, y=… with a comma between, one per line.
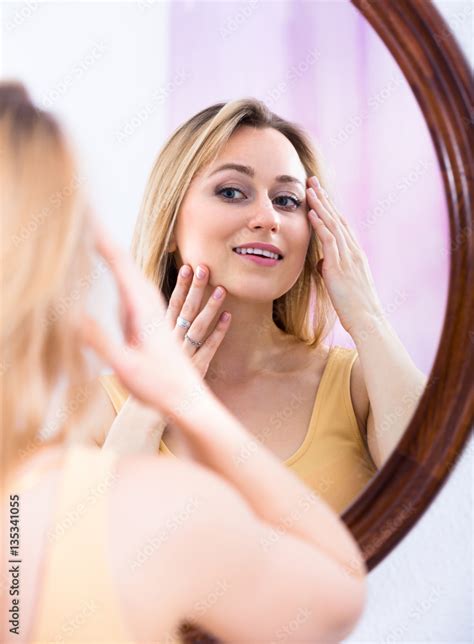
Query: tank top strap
x=78, y=599
x=116, y=392
x=338, y=409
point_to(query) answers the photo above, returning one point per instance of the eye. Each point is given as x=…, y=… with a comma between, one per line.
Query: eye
x=296, y=202
x=228, y=189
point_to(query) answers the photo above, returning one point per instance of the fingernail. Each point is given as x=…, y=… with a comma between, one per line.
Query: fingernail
x=316, y=181
x=200, y=272
x=312, y=193
x=218, y=293
x=185, y=271
x=224, y=316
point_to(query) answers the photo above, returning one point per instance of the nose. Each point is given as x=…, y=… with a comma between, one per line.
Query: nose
x=265, y=216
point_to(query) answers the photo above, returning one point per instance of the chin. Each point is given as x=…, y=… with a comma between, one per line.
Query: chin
x=255, y=294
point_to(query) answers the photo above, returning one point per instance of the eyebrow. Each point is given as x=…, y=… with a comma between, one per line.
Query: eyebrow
x=245, y=169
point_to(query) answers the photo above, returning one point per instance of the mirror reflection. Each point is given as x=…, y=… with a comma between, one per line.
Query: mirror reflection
x=329, y=339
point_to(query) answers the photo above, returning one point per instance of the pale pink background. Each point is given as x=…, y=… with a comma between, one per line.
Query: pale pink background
x=322, y=65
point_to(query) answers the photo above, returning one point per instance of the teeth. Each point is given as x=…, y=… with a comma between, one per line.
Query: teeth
x=256, y=251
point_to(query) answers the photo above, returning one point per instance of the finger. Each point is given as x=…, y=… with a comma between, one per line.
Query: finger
x=201, y=324
x=330, y=250
x=331, y=223
x=349, y=235
x=193, y=300
x=205, y=354
x=328, y=204
x=109, y=252
x=143, y=304
x=178, y=296
x=124, y=360
x=124, y=272
x=93, y=336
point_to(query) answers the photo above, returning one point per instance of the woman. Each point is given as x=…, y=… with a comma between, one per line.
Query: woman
x=234, y=176
x=101, y=548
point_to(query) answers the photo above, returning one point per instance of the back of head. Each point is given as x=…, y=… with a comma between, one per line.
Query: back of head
x=45, y=249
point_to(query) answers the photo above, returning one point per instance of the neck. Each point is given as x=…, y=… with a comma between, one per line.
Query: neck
x=252, y=343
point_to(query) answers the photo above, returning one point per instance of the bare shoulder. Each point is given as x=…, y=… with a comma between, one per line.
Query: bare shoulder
x=186, y=546
x=164, y=513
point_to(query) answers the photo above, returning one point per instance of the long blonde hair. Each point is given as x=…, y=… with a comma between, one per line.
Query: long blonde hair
x=45, y=249
x=192, y=146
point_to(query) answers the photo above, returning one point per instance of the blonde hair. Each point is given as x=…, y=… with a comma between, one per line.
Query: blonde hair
x=45, y=249
x=192, y=146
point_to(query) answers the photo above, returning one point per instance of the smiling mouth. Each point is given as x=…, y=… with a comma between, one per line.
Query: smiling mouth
x=243, y=251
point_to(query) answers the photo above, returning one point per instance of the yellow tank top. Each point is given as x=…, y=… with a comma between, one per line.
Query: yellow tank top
x=77, y=596
x=333, y=459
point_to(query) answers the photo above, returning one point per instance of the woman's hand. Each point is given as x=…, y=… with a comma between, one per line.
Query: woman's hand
x=138, y=428
x=150, y=362
x=345, y=268
x=189, y=326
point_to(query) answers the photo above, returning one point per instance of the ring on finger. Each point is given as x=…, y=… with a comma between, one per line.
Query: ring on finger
x=195, y=343
x=183, y=322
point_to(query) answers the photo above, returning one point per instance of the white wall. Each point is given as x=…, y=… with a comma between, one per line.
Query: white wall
x=91, y=68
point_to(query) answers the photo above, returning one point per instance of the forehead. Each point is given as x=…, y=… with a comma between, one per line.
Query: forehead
x=266, y=150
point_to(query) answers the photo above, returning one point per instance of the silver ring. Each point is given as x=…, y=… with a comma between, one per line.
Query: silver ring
x=183, y=322
x=195, y=343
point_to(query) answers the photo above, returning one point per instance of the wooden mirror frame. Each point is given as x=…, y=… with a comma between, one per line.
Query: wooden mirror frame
x=434, y=65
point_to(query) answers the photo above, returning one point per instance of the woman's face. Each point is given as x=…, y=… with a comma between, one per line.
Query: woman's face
x=225, y=208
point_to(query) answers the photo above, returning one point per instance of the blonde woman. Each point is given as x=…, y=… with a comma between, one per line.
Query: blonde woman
x=101, y=548
x=233, y=181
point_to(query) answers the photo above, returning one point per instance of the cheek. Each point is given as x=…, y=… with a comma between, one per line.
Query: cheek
x=301, y=235
x=201, y=235
x=191, y=229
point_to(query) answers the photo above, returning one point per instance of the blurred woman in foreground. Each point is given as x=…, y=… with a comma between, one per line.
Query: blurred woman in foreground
x=99, y=547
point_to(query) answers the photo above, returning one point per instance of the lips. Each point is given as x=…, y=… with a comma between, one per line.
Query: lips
x=258, y=256
x=261, y=246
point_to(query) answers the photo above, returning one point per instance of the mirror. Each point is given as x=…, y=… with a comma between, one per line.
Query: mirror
x=378, y=111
